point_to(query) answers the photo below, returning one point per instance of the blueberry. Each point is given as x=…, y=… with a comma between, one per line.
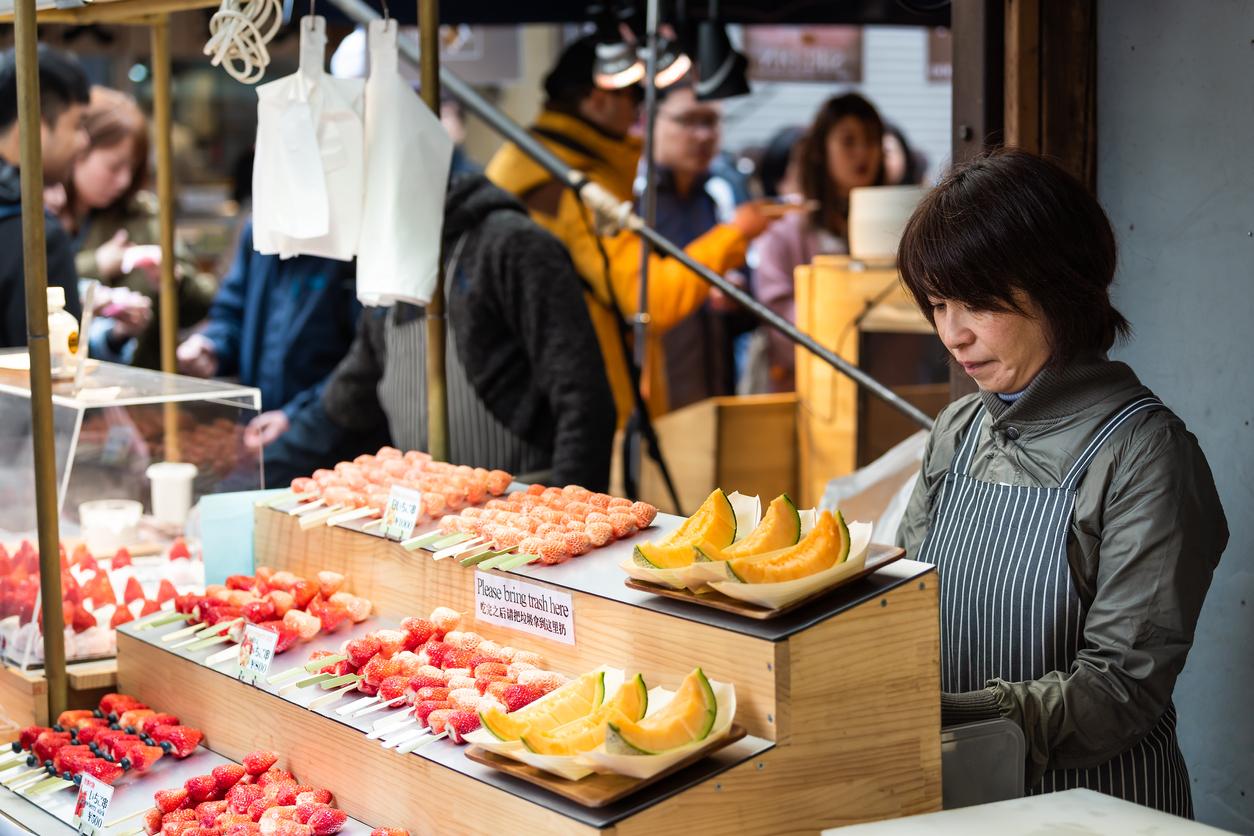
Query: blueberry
x=31, y=760
x=17, y=746
x=78, y=779
x=147, y=740
x=167, y=746
x=47, y=764
x=96, y=712
x=109, y=757
x=113, y=717
x=125, y=763
x=67, y=775
x=115, y=726
x=57, y=727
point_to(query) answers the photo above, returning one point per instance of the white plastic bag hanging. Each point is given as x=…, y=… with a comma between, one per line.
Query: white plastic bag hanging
x=309, y=122
x=408, y=154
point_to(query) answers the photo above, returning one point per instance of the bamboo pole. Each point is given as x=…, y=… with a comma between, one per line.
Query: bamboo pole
x=168, y=299
x=35, y=266
x=437, y=392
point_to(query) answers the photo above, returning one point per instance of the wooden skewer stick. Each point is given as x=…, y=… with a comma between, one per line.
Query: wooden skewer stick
x=49, y=785
x=336, y=682
x=414, y=745
x=458, y=548
x=219, y=628
x=317, y=518
x=327, y=699
x=124, y=819
x=203, y=643
x=355, y=705
x=275, y=501
x=392, y=719
x=160, y=619
x=422, y=541
x=181, y=633
x=355, y=514
x=306, y=507
x=388, y=730
x=380, y=706
x=404, y=737
x=231, y=654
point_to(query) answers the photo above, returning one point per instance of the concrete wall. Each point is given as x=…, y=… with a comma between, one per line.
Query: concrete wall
x=1176, y=173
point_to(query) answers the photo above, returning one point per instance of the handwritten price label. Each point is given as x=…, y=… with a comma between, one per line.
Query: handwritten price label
x=524, y=606
x=401, y=515
x=93, y=802
x=256, y=652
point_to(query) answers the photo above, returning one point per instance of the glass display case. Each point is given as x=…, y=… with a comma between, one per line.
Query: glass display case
x=135, y=451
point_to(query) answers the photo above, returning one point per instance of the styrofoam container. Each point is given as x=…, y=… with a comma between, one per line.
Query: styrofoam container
x=877, y=217
x=110, y=524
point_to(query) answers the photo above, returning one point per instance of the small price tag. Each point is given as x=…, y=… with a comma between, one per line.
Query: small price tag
x=93, y=802
x=525, y=606
x=256, y=652
x=401, y=515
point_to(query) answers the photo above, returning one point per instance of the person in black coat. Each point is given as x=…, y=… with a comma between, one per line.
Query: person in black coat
x=526, y=381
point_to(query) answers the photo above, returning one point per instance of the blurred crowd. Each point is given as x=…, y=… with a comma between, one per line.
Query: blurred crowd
x=540, y=357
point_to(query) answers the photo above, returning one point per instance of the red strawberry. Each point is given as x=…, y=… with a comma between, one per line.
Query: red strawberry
x=259, y=807
x=149, y=608
x=259, y=611
x=423, y=709
x=152, y=822
x=201, y=788
x=134, y=591
x=143, y=757
x=209, y=812
x=516, y=696
x=151, y=722
x=389, y=831
x=227, y=775
x=327, y=821
x=287, y=636
x=275, y=775
x=179, y=550
x=242, y=796
x=419, y=630
x=185, y=815
x=305, y=809
x=435, y=650
x=244, y=582
x=304, y=591
x=360, y=651
x=482, y=682
x=317, y=795
x=457, y=658
x=183, y=740
x=82, y=620
x=168, y=801
x=283, y=793
x=166, y=591
x=284, y=827
x=258, y=762
x=461, y=723
x=121, y=615
x=122, y=558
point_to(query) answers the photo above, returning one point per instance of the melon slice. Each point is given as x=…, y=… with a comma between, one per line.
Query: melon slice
x=826, y=545
x=630, y=703
x=570, y=702
x=687, y=718
x=713, y=523
x=780, y=528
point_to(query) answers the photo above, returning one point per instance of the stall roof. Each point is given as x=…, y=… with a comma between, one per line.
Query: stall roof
x=504, y=12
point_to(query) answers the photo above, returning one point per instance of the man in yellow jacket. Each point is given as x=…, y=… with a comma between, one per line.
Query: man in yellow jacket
x=589, y=129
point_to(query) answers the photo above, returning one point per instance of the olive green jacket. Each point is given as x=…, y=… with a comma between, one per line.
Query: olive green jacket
x=1146, y=535
x=140, y=218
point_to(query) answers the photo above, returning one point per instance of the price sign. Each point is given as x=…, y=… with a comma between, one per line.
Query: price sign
x=401, y=515
x=256, y=652
x=525, y=606
x=93, y=802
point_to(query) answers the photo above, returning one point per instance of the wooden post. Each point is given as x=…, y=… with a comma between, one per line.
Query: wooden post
x=162, y=124
x=437, y=392
x=35, y=266
x=1023, y=74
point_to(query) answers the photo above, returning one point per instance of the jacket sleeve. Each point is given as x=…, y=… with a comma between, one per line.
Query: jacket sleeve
x=918, y=516
x=563, y=354
x=674, y=290
x=350, y=396
x=226, y=314
x=1162, y=536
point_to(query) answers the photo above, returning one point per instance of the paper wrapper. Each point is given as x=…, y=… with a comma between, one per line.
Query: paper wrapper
x=776, y=595
x=575, y=767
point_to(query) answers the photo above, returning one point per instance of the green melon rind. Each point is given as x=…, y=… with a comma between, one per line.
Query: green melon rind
x=617, y=744
x=643, y=690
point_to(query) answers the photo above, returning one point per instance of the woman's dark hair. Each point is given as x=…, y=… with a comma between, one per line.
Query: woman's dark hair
x=816, y=184
x=1011, y=221
x=916, y=163
x=111, y=118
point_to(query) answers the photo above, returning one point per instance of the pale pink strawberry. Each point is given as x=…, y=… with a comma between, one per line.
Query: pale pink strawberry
x=599, y=533
x=624, y=525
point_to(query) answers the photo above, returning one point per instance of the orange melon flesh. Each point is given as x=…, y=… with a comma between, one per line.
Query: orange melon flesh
x=713, y=523
x=780, y=527
x=826, y=545
x=570, y=702
x=687, y=718
x=630, y=703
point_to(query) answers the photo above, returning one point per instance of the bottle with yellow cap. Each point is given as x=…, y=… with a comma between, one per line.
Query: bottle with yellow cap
x=62, y=335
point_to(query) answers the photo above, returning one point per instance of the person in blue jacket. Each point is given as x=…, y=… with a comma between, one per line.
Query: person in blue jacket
x=278, y=324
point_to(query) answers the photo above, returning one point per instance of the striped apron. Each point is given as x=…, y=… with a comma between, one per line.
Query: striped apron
x=1010, y=611
x=476, y=437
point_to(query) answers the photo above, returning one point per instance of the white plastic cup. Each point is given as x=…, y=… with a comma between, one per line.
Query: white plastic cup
x=109, y=524
x=171, y=491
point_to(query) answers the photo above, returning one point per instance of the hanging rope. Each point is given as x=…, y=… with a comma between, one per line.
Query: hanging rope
x=238, y=33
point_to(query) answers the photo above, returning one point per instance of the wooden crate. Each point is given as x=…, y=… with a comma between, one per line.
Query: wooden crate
x=851, y=702
x=744, y=443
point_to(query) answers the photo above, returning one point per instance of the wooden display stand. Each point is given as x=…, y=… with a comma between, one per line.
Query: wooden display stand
x=24, y=694
x=848, y=696
x=838, y=299
x=746, y=443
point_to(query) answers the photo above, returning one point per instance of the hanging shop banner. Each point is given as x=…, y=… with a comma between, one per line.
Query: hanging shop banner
x=804, y=53
x=524, y=606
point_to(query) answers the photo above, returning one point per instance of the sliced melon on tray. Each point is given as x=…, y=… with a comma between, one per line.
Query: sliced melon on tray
x=569, y=703
x=713, y=523
x=687, y=718
x=826, y=545
x=779, y=528
x=629, y=704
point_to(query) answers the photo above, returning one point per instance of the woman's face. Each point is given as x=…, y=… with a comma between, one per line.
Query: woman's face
x=103, y=174
x=894, y=161
x=1002, y=351
x=854, y=152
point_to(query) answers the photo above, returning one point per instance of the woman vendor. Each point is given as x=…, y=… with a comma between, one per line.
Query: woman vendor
x=1072, y=517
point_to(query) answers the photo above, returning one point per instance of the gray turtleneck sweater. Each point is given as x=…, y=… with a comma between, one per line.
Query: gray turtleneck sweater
x=1146, y=535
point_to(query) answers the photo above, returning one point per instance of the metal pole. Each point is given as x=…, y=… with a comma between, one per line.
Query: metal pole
x=163, y=120
x=649, y=205
x=437, y=393
x=589, y=192
x=35, y=266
